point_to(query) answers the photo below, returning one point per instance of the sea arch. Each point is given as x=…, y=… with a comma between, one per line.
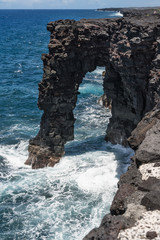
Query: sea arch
x=78, y=47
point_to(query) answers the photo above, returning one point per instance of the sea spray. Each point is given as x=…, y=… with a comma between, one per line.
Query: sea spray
x=67, y=201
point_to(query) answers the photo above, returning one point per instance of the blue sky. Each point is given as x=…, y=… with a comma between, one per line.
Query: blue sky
x=74, y=4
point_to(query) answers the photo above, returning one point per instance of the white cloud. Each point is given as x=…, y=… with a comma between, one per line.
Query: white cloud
x=67, y=2
x=8, y=1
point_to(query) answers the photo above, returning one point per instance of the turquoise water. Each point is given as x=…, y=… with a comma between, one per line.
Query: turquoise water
x=67, y=201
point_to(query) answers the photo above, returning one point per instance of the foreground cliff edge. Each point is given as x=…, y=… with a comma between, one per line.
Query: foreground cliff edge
x=129, y=48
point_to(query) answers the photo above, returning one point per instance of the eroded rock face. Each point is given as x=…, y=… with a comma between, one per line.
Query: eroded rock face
x=137, y=193
x=128, y=47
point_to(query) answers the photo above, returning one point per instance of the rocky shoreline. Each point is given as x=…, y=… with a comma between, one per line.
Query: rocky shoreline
x=133, y=11
x=135, y=210
x=138, y=195
x=129, y=48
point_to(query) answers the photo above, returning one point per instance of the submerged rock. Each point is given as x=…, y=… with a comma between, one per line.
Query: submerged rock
x=104, y=101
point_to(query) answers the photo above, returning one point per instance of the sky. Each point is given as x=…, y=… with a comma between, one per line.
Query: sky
x=74, y=4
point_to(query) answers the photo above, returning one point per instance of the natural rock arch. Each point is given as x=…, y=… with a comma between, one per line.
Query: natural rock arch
x=127, y=50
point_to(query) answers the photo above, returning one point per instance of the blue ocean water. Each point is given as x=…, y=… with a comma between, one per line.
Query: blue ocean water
x=67, y=201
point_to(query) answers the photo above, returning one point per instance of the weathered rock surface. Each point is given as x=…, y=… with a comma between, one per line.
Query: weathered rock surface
x=151, y=235
x=151, y=200
x=129, y=48
x=109, y=228
x=150, y=120
x=151, y=184
x=148, y=151
x=135, y=195
x=119, y=204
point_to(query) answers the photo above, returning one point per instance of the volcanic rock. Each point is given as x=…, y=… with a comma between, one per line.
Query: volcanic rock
x=151, y=234
x=152, y=200
x=128, y=47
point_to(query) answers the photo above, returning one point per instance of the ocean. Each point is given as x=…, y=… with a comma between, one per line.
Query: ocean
x=67, y=201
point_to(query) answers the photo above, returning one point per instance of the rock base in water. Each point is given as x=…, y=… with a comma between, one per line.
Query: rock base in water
x=136, y=205
x=128, y=47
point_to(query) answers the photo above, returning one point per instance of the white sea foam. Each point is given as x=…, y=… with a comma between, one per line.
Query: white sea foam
x=75, y=194
x=18, y=71
x=118, y=14
x=89, y=88
x=98, y=71
x=15, y=154
x=67, y=201
x=75, y=187
x=19, y=127
x=101, y=177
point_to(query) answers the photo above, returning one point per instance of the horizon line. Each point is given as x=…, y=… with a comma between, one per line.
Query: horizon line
x=78, y=8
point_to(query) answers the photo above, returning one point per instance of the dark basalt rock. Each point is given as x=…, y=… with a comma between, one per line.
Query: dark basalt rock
x=157, y=164
x=119, y=204
x=151, y=184
x=149, y=150
x=128, y=47
x=145, y=139
x=134, y=11
x=132, y=189
x=151, y=200
x=151, y=234
x=132, y=176
x=138, y=135
x=109, y=228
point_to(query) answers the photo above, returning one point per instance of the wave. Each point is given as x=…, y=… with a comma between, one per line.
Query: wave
x=48, y=195
x=15, y=155
x=111, y=13
x=90, y=88
x=118, y=14
x=99, y=70
x=101, y=176
x=64, y=202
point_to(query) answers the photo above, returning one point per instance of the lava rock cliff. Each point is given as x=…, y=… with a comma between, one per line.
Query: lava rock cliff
x=129, y=49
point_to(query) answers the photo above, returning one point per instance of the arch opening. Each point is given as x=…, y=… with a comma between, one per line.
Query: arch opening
x=92, y=114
